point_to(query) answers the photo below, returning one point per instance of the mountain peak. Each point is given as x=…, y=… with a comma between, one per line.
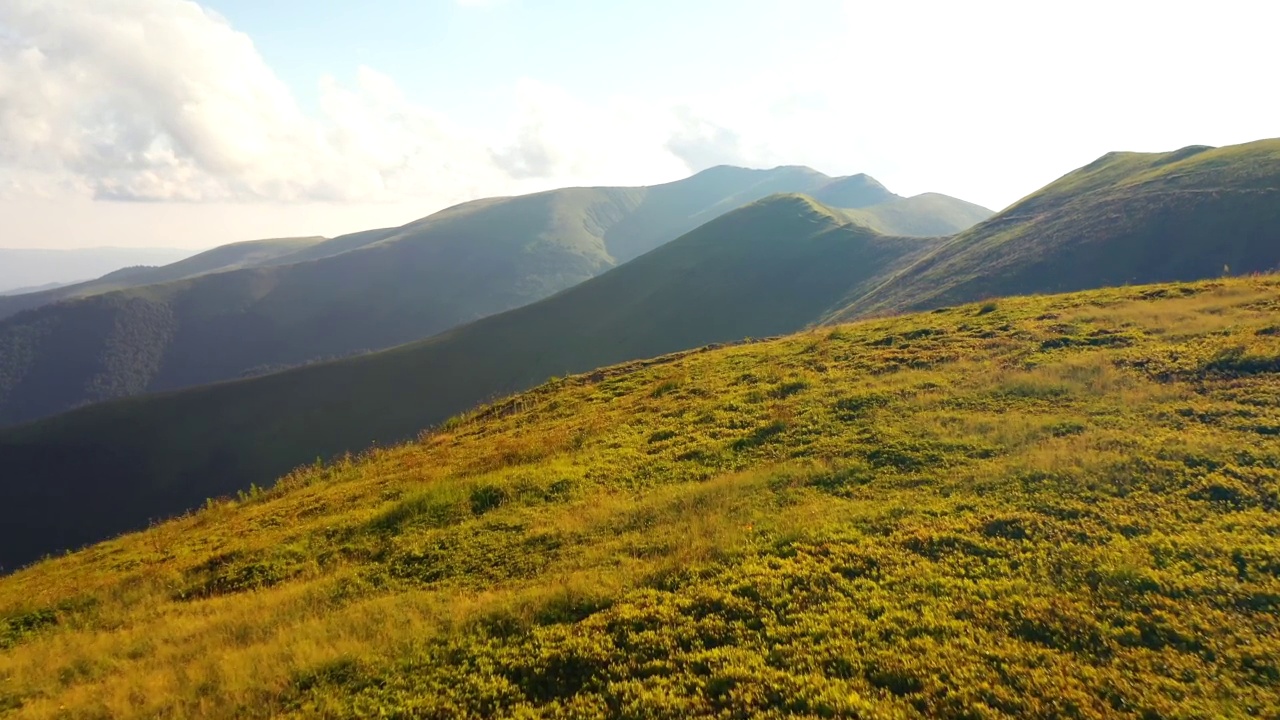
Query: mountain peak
x=853, y=191
x=740, y=170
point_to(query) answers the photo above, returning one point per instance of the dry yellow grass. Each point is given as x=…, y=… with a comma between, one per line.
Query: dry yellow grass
x=1066, y=506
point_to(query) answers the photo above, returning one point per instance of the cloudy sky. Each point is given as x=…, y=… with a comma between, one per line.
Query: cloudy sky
x=180, y=123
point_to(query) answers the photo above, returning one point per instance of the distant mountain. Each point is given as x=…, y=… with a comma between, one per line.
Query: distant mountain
x=927, y=215
x=33, y=289
x=854, y=191
x=33, y=267
x=1126, y=218
x=235, y=256
x=254, y=307
x=768, y=268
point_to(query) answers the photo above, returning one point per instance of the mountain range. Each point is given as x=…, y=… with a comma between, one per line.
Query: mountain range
x=768, y=268
x=773, y=266
x=253, y=308
x=222, y=258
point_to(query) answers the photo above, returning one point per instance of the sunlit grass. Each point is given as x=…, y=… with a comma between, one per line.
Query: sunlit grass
x=1064, y=506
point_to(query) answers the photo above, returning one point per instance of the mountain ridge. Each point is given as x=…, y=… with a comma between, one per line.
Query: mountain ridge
x=768, y=268
x=254, y=307
x=224, y=257
x=34, y=267
x=281, y=420
x=1124, y=218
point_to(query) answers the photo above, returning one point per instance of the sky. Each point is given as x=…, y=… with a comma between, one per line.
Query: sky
x=192, y=124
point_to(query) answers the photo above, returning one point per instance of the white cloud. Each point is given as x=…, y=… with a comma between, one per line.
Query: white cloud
x=554, y=136
x=162, y=100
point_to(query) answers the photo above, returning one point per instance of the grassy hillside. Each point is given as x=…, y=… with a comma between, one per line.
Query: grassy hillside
x=225, y=257
x=767, y=269
x=1037, y=508
x=323, y=299
x=1125, y=218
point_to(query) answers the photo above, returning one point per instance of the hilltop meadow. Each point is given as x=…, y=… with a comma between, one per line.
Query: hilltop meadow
x=1042, y=507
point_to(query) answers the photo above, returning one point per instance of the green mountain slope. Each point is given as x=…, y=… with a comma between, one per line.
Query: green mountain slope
x=325, y=299
x=769, y=268
x=1125, y=218
x=927, y=215
x=1057, y=507
x=225, y=257
x=854, y=191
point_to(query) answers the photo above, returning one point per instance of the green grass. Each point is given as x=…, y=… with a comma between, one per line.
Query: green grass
x=1126, y=218
x=959, y=514
x=767, y=269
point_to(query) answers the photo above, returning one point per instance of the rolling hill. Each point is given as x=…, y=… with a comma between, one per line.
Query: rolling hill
x=34, y=267
x=1126, y=218
x=253, y=308
x=769, y=268
x=1039, y=508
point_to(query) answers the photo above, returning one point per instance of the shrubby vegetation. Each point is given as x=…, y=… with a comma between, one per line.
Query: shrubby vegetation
x=1053, y=507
